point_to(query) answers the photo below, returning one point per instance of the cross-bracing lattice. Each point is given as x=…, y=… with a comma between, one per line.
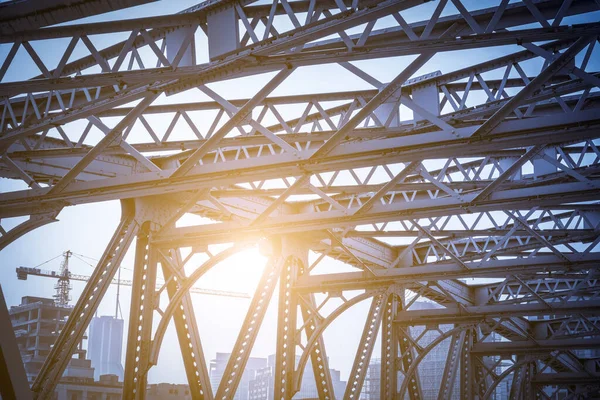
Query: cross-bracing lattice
x=464, y=162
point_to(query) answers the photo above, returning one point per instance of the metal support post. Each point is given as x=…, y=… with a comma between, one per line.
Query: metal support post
x=12, y=374
x=473, y=381
x=389, y=349
x=467, y=375
x=223, y=32
x=143, y=301
x=285, y=356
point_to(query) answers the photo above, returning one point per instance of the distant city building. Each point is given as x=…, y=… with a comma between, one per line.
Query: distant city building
x=339, y=386
x=261, y=388
x=107, y=387
x=217, y=369
x=37, y=322
x=168, y=391
x=371, y=388
x=105, y=346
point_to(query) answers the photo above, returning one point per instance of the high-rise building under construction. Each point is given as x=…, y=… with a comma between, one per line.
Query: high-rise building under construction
x=37, y=322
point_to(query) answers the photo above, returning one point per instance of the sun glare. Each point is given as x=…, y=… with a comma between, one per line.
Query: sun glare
x=240, y=272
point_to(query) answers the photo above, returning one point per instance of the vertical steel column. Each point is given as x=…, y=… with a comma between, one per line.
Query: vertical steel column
x=467, y=378
x=365, y=348
x=389, y=350
x=285, y=356
x=13, y=380
x=473, y=381
x=223, y=31
x=189, y=339
x=483, y=379
x=392, y=340
x=532, y=390
x=140, y=318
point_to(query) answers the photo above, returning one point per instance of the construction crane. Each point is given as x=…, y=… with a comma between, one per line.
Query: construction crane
x=63, y=286
x=64, y=276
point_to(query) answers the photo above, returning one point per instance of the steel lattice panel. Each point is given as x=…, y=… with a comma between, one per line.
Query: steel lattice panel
x=477, y=158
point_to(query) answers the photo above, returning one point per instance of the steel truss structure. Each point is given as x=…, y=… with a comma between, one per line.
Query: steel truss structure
x=495, y=174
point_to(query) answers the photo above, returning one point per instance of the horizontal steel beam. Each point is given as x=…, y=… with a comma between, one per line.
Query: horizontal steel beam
x=507, y=199
x=18, y=16
x=97, y=28
x=205, y=73
x=481, y=312
x=452, y=234
x=534, y=346
x=442, y=270
x=348, y=155
x=186, y=17
x=566, y=378
x=514, y=14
